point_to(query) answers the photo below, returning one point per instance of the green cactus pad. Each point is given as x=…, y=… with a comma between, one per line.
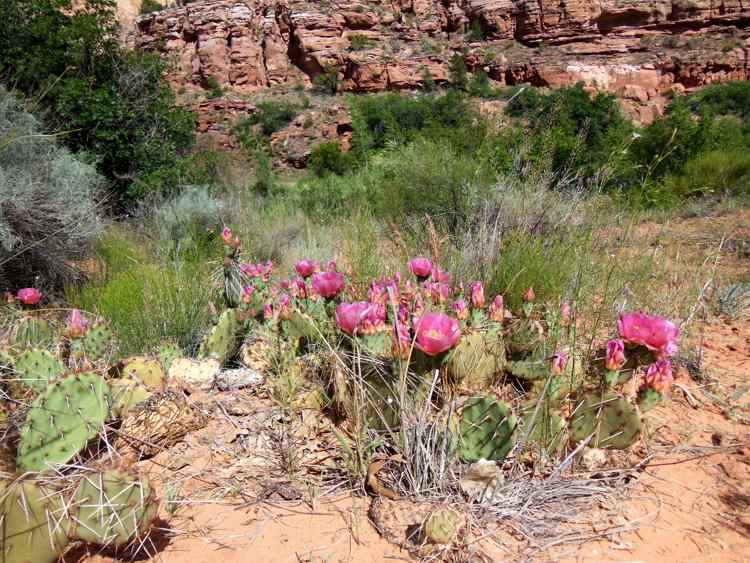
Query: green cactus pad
x=6, y=359
x=487, y=428
x=525, y=336
x=167, y=352
x=62, y=420
x=98, y=342
x=221, y=341
x=548, y=428
x=441, y=526
x=32, y=527
x=648, y=399
x=126, y=392
x=477, y=359
x=146, y=370
x=614, y=421
x=530, y=370
x=112, y=508
x=36, y=368
x=32, y=332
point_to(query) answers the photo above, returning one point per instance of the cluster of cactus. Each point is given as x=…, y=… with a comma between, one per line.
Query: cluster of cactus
x=41, y=518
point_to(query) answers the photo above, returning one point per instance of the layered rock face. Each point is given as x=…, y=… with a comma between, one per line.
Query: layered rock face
x=640, y=50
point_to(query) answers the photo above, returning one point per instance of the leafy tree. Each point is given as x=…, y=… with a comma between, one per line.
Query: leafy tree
x=457, y=72
x=107, y=100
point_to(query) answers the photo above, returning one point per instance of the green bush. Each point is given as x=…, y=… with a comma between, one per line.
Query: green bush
x=328, y=158
x=271, y=116
x=360, y=43
x=49, y=208
x=327, y=81
x=149, y=6
x=214, y=88
x=457, y=72
x=713, y=173
x=731, y=98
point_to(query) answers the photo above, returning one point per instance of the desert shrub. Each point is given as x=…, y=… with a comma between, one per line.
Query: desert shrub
x=579, y=131
x=148, y=6
x=272, y=116
x=327, y=81
x=111, y=102
x=328, y=158
x=360, y=43
x=187, y=223
x=457, y=72
x=713, y=173
x=731, y=98
x=387, y=118
x=199, y=167
x=48, y=203
x=214, y=88
x=480, y=86
x=475, y=32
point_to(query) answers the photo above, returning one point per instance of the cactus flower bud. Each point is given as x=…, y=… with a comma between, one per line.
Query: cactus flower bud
x=497, y=309
x=615, y=357
x=77, y=324
x=559, y=362
x=659, y=376
x=529, y=296
x=460, y=309
x=420, y=267
x=247, y=294
x=566, y=314
x=306, y=268
x=268, y=311
x=477, y=295
x=29, y=295
x=328, y=284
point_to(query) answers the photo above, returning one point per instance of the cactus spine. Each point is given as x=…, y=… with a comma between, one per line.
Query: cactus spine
x=487, y=428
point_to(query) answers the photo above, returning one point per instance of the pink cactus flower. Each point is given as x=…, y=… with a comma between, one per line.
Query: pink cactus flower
x=440, y=276
x=247, y=294
x=306, y=268
x=401, y=340
x=439, y=292
x=566, y=314
x=300, y=288
x=250, y=270
x=655, y=333
x=497, y=309
x=403, y=313
x=268, y=311
x=420, y=267
x=529, y=296
x=615, y=357
x=436, y=333
x=349, y=316
x=460, y=309
x=29, y=296
x=659, y=376
x=331, y=266
x=229, y=239
x=328, y=284
x=373, y=319
x=559, y=362
x=477, y=295
x=77, y=324
x=418, y=307
x=285, y=306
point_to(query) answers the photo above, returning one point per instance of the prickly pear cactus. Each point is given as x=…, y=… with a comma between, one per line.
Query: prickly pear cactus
x=529, y=370
x=487, y=427
x=146, y=370
x=32, y=524
x=62, y=420
x=614, y=422
x=477, y=359
x=6, y=360
x=524, y=337
x=7, y=457
x=648, y=399
x=97, y=344
x=112, y=508
x=36, y=368
x=221, y=341
x=32, y=332
x=126, y=392
x=546, y=430
x=441, y=526
x=168, y=352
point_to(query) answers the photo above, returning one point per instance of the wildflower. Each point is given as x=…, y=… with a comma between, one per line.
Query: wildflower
x=247, y=294
x=440, y=276
x=420, y=267
x=349, y=315
x=373, y=319
x=529, y=296
x=306, y=268
x=477, y=295
x=659, y=376
x=615, y=357
x=559, y=362
x=655, y=333
x=436, y=333
x=497, y=309
x=328, y=284
x=77, y=324
x=460, y=309
x=29, y=295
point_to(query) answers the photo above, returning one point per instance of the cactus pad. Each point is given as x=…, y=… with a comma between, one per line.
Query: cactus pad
x=476, y=360
x=36, y=368
x=525, y=336
x=441, y=526
x=167, y=352
x=31, y=521
x=112, y=508
x=614, y=421
x=548, y=428
x=126, y=392
x=147, y=371
x=487, y=428
x=648, y=399
x=62, y=420
x=98, y=343
x=221, y=341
